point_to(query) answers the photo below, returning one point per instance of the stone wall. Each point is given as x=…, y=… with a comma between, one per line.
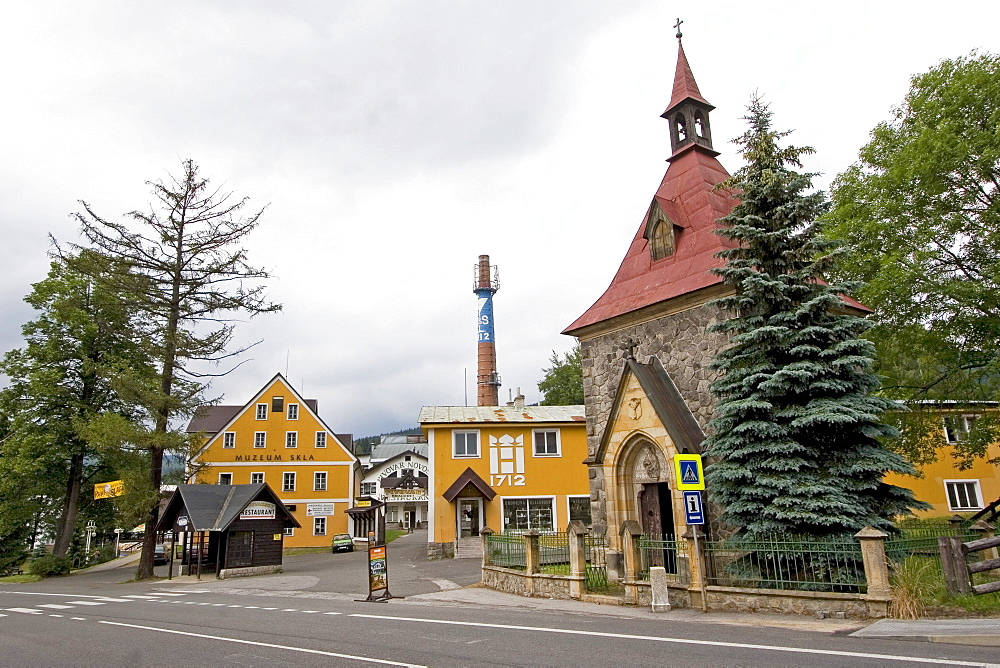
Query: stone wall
x=540, y=585
x=440, y=550
x=248, y=571
x=684, y=347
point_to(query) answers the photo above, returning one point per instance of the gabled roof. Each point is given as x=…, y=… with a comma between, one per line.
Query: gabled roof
x=383, y=452
x=485, y=414
x=667, y=403
x=215, y=507
x=345, y=441
x=468, y=477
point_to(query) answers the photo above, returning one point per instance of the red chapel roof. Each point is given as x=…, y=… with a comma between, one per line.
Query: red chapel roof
x=684, y=84
x=688, y=197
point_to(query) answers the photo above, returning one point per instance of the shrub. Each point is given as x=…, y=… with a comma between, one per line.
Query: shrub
x=49, y=565
x=913, y=582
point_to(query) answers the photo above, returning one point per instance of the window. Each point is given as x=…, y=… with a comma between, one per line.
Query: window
x=229, y=439
x=261, y=411
x=320, y=439
x=225, y=478
x=319, y=526
x=369, y=488
x=319, y=481
x=963, y=495
x=466, y=444
x=957, y=427
x=547, y=443
x=259, y=439
x=579, y=509
x=288, y=482
x=291, y=439
x=288, y=531
x=532, y=513
x=277, y=404
x=293, y=411
x=392, y=514
x=256, y=478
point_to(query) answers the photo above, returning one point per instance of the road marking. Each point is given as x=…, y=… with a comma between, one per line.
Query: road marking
x=268, y=608
x=168, y=594
x=55, y=606
x=233, y=606
x=86, y=602
x=680, y=641
x=333, y=613
x=252, y=607
x=218, y=605
x=289, y=610
x=310, y=612
x=80, y=619
x=41, y=593
x=142, y=596
x=54, y=615
x=265, y=644
x=27, y=611
x=108, y=599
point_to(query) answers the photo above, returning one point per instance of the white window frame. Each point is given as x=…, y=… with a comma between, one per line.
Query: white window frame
x=291, y=439
x=260, y=439
x=261, y=411
x=316, y=481
x=292, y=411
x=534, y=443
x=529, y=499
x=968, y=481
x=454, y=444
x=956, y=426
x=257, y=473
x=229, y=476
x=288, y=531
x=373, y=486
x=229, y=440
x=569, y=515
x=320, y=439
x=285, y=487
x=319, y=526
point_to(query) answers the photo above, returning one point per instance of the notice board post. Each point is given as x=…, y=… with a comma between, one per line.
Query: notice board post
x=378, y=571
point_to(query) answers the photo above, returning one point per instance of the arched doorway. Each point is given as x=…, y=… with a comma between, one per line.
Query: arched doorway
x=644, y=494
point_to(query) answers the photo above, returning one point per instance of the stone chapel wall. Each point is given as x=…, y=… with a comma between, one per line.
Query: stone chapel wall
x=685, y=349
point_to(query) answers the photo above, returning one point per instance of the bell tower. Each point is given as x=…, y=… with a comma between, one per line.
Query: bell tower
x=688, y=111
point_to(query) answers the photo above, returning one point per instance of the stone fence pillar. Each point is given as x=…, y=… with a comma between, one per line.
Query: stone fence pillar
x=531, y=560
x=486, y=532
x=632, y=557
x=576, y=532
x=876, y=570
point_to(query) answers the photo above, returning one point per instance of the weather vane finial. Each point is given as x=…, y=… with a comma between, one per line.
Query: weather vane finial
x=678, y=26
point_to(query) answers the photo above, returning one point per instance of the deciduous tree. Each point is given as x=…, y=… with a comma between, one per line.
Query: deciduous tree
x=181, y=265
x=563, y=381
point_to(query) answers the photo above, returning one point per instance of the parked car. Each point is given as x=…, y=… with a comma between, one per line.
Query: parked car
x=160, y=555
x=343, y=542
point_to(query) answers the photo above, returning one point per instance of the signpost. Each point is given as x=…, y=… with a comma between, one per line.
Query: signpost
x=378, y=572
x=689, y=472
x=694, y=512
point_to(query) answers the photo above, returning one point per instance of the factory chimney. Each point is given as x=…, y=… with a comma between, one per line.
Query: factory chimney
x=487, y=282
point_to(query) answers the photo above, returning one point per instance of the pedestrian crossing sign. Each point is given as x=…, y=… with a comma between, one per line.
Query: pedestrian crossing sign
x=690, y=476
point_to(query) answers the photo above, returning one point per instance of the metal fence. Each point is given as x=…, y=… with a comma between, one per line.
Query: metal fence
x=506, y=551
x=806, y=563
x=916, y=545
x=666, y=551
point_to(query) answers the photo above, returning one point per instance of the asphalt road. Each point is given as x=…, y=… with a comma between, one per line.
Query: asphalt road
x=298, y=618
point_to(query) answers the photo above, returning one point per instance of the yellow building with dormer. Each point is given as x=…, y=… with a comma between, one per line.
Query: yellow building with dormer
x=279, y=438
x=509, y=468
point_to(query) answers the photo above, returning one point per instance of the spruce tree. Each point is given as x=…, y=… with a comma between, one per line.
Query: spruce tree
x=794, y=443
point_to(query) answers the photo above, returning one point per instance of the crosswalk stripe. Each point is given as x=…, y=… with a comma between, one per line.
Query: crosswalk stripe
x=86, y=602
x=55, y=606
x=27, y=611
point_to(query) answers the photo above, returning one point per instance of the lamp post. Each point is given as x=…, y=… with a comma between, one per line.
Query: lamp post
x=91, y=530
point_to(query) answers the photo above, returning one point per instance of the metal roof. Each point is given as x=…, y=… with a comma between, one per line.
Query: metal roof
x=215, y=507
x=486, y=414
x=386, y=451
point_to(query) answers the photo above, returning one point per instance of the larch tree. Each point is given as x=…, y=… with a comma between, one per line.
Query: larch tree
x=794, y=445
x=184, y=269
x=920, y=214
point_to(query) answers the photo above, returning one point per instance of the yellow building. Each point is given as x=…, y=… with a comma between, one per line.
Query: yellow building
x=509, y=468
x=948, y=489
x=278, y=438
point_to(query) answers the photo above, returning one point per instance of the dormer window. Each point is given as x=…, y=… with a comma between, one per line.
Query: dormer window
x=659, y=232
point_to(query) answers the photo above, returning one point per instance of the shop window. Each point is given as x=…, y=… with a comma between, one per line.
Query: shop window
x=522, y=514
x=579, y=509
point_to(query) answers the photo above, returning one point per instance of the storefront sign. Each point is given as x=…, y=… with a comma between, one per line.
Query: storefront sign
x=397, y=495
x=319, y=509
x=258, y=510
x=363, y=503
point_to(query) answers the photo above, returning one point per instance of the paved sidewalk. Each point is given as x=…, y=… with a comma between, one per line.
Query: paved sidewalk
x=984, y=632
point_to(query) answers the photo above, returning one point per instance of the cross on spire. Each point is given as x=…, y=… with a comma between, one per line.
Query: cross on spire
x=678, y=26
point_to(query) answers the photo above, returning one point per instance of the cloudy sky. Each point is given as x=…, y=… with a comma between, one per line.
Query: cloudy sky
x=395, y=142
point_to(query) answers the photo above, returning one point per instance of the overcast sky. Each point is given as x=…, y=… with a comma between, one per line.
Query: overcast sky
x=395, y=142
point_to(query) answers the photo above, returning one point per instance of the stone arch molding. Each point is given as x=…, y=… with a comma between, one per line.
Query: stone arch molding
x=640, y=461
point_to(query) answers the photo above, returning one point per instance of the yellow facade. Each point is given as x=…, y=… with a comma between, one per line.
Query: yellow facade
x=278, y=439
x=950, y=490
x=526, y=468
